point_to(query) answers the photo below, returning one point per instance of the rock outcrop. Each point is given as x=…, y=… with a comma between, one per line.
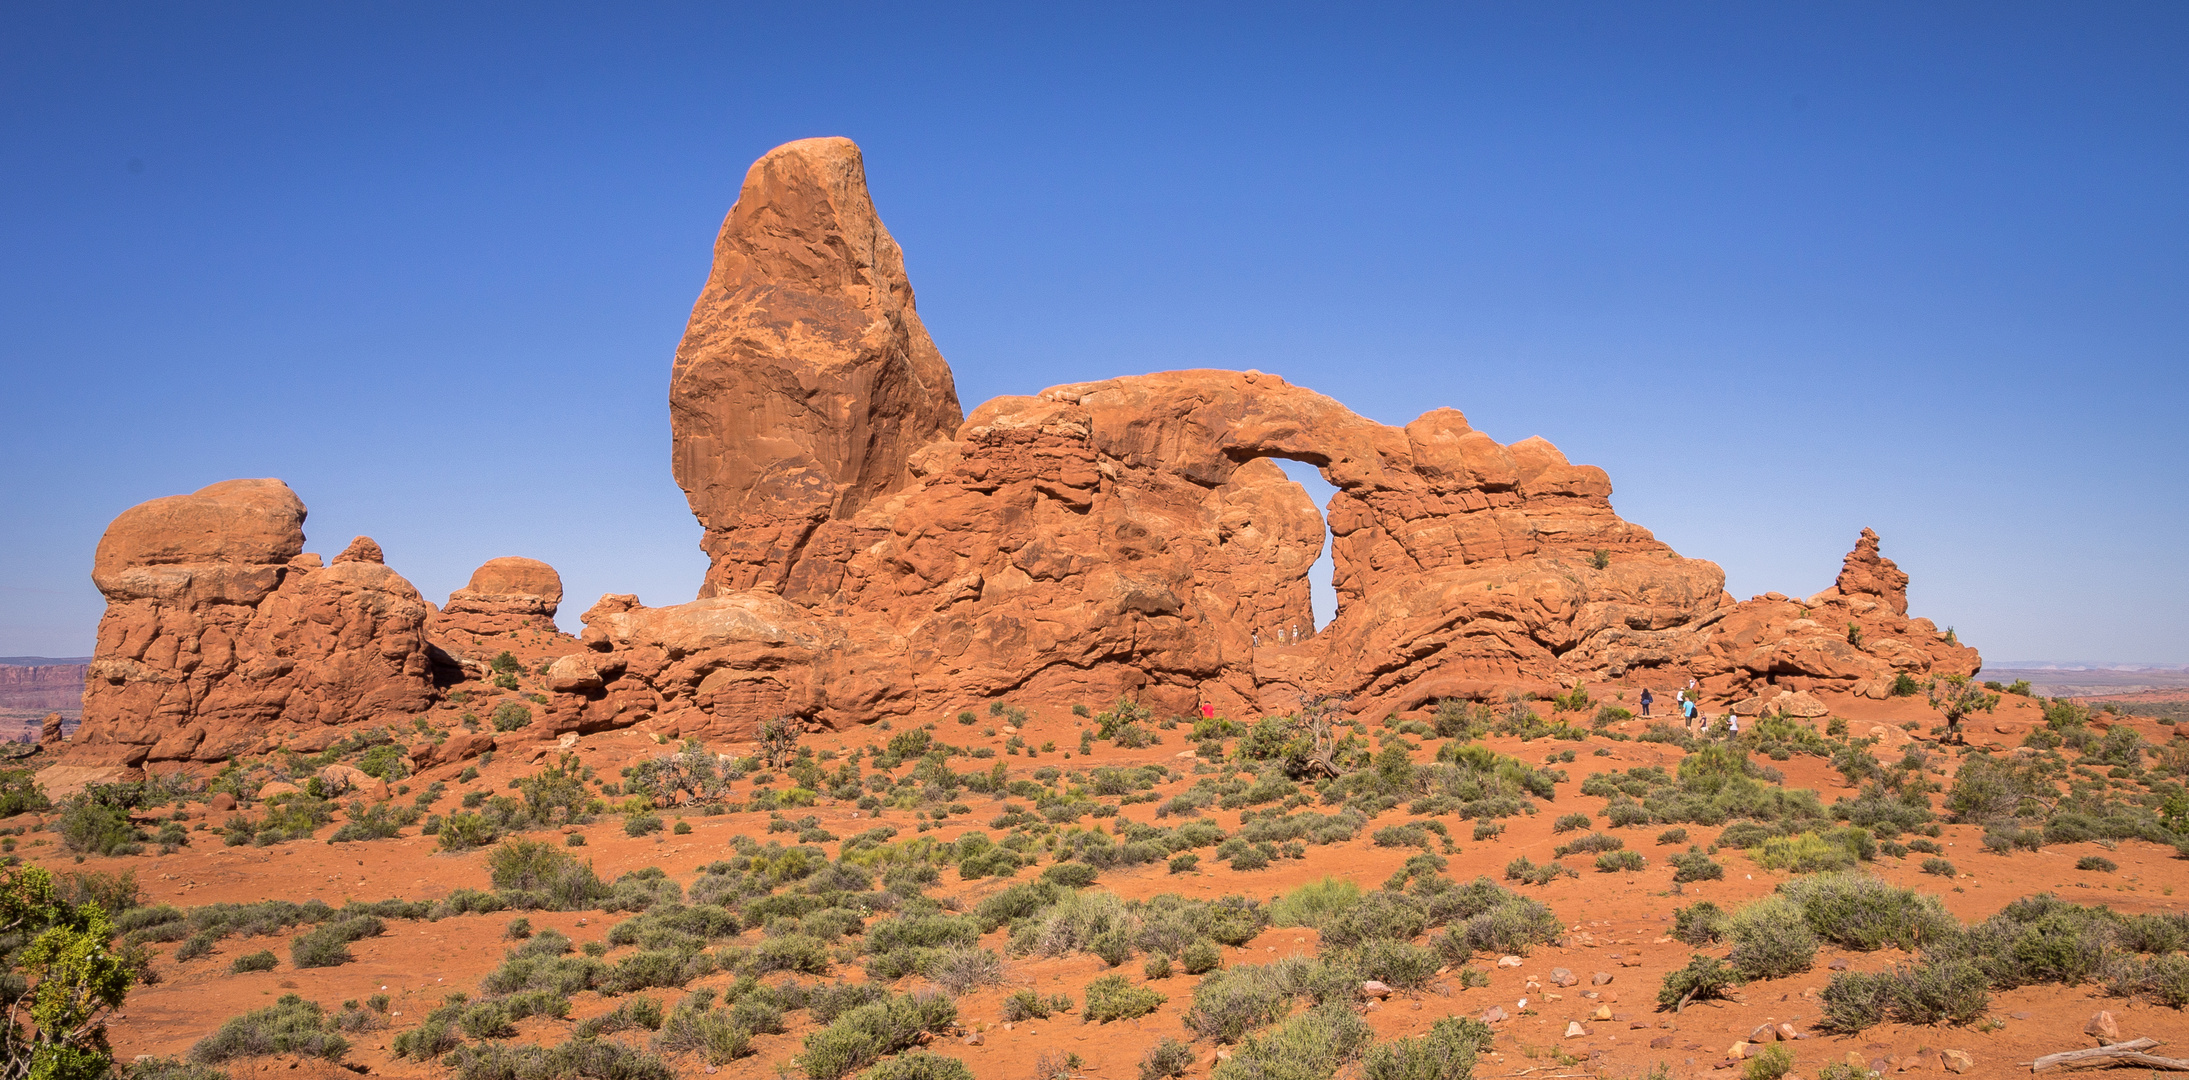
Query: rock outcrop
x=874, y=553
x=509, y=593
x=1854, y=637
x=220, y=630
x=870, y=557
x=805, y=378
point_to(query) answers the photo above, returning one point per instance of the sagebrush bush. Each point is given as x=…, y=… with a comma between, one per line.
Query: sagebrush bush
x=291, y=1025
x=1446, y=1051
x=1857, y=911
x=1702, y=979
x=601, y=1059
x=919, y=1065
x=1612, y=861
x=1167, y=1058
x=262, y=960
x=1111, y=997
x=1770, y=940
x=1695, y=866
x=860, y=1037
x=1313, y=1044
x=1314, y=902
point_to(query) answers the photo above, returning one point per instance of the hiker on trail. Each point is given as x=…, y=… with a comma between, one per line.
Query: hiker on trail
x=1646, y=699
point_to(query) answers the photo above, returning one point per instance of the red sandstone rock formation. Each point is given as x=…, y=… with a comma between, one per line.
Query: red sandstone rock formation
x=509, y=593
x=1854, y=637
x=872, y=554
x=1122, y=536
x=805, y=378
x=219, y=630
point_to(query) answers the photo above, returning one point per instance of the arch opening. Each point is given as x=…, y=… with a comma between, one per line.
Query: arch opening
x=1322, y=595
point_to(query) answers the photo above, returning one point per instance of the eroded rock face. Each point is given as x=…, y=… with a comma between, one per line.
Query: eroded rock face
x=805, y=378
x=872, y=557
x=1854, y=637
x=509, y=593
x=219, y=630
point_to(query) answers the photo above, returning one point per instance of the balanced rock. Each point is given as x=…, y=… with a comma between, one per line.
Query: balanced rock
x=219, y=630
x=504, y=594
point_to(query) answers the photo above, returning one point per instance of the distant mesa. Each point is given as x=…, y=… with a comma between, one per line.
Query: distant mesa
x=873, y=552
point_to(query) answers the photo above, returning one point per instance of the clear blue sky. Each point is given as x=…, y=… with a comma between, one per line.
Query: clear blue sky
x=1785, y=270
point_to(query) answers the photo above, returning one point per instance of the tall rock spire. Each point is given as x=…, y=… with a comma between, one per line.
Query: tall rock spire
x=804, y=379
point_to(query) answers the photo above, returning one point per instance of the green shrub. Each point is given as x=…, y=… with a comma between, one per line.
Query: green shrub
x=1030, y=1005
x=594, y=1059
x=1445, y=1052
x=1699, y=923
x=865, y=1034
x=1201, y=957
x=1940, y=867
x=1772, y=1062
x=262, y=960
x=466, y=832
x=1857, y=911
x=641, y=824
x=1939, y=992
x=1770, y=940
x=1612, y=861
x=2096, y=862
x=329, y=945
x=1811, y=852
x=919, y=1065
x=1310, y=1046
x=1703, y=979
x=291, y=1025
x=1571, y=823
x=1167, y=1058
x=1110, y=997
x=1313, y=903
x=1069, y=875
x=509, y=716
x=1695, y=866
x=159, y=1068
x=90, y=825
x=1855, y=1001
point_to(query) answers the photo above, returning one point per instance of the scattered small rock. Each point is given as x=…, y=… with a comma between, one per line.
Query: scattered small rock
x=2103, y=1027
x=1495, y=1014
x=1958, y=1061
x=1563, y=977
x=1839, y=964
x=1661, y=1042
x=1574, y=1030
x=1375, y=989
x=1508, y=961
x=1601, y=978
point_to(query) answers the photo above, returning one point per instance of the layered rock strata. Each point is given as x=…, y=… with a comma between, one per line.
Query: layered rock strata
x=220, y=630
x=873, y=553
x=1123, y=536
